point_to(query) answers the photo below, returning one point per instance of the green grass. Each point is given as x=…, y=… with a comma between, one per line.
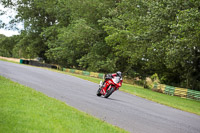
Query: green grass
x=172, y=101
x=23, y=110
x=9, y=61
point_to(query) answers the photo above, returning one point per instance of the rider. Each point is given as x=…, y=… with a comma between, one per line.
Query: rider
x=118, y=74
x=109, y=76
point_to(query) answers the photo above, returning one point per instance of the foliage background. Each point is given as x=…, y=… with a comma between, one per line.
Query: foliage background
x=139, y=38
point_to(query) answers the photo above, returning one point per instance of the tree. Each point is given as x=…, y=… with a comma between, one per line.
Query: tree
x=36, y=16
x=125, y=29
x=139, y=37
x=186, y=52
x=7, y=44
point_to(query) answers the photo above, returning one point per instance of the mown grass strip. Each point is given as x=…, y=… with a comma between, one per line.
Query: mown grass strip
x=172, y=101
x=9, y=61
x=23, y=110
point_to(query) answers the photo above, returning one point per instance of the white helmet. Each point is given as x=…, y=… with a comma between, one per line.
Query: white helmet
x=119, y=74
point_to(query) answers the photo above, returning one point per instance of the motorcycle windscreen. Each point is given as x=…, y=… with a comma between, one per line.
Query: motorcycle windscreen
x=116, y=80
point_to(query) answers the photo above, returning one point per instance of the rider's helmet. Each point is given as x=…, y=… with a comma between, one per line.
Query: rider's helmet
x=119, y=74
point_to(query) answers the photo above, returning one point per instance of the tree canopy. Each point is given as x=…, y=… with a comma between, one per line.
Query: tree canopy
x=139, y=38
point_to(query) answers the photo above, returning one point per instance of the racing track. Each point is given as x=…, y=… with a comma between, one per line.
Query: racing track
x=123, y=110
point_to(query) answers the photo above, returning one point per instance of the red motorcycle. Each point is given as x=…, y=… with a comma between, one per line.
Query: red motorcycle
x=110, y=85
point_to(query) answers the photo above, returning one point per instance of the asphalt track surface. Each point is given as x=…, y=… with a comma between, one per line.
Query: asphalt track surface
x=132, y=113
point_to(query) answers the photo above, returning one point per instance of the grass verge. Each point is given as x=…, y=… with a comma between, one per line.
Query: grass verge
x=23, y=110
x=188, y=105
x=9, y=61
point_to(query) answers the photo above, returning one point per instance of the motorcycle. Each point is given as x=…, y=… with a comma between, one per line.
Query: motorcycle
x=110, y=85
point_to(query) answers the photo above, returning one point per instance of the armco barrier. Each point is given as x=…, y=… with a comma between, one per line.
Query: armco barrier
x=159, y=88
x=101, y=75
x=21, y=61
x=169, y=90
x=78, y=71
x=162, y=88
x=176, y=91
x=67, y=70
x=72, y=70
x=37, y=63
x=181, y=92
x=93, y=74
x=192, y=94
x=86, y=73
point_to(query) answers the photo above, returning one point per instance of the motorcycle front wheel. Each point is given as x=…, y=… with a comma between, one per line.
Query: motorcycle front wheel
x=98, y=92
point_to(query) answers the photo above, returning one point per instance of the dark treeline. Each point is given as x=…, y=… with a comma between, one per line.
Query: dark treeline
x=138, y=37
